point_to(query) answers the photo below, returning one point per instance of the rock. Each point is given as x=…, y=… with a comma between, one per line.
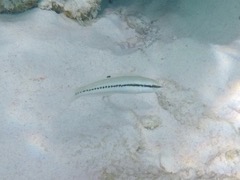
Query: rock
x=16, y=6
x=80, y=10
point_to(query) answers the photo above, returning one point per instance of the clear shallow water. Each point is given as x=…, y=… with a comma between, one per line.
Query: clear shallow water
x=189, y=130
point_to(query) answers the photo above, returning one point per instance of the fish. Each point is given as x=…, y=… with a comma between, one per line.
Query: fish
x=121, y=84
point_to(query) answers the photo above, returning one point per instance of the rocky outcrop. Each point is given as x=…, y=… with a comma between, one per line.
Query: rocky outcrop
x=80, y=10
x=16, y=6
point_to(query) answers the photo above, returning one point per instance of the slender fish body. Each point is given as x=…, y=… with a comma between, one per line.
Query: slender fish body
x=122, y=84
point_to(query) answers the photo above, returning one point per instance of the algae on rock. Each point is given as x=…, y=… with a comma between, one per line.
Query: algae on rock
x=80, y=10
x=16, y=6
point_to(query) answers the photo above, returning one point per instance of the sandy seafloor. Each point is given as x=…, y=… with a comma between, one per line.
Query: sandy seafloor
x=188, y=130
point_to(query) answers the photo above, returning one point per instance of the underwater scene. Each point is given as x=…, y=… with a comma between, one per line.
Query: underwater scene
x=119, y=89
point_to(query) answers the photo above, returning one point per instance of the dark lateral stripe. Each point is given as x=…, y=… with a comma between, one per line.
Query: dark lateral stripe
x=141, y=85
x=118, y=85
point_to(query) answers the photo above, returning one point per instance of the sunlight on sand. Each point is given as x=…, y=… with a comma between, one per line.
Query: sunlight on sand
x=227, y=105
x=36, y=144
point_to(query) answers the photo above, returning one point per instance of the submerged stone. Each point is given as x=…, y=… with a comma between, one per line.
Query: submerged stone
x=16, y=6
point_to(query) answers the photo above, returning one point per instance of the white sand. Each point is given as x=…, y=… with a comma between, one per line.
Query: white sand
x=191, y=129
